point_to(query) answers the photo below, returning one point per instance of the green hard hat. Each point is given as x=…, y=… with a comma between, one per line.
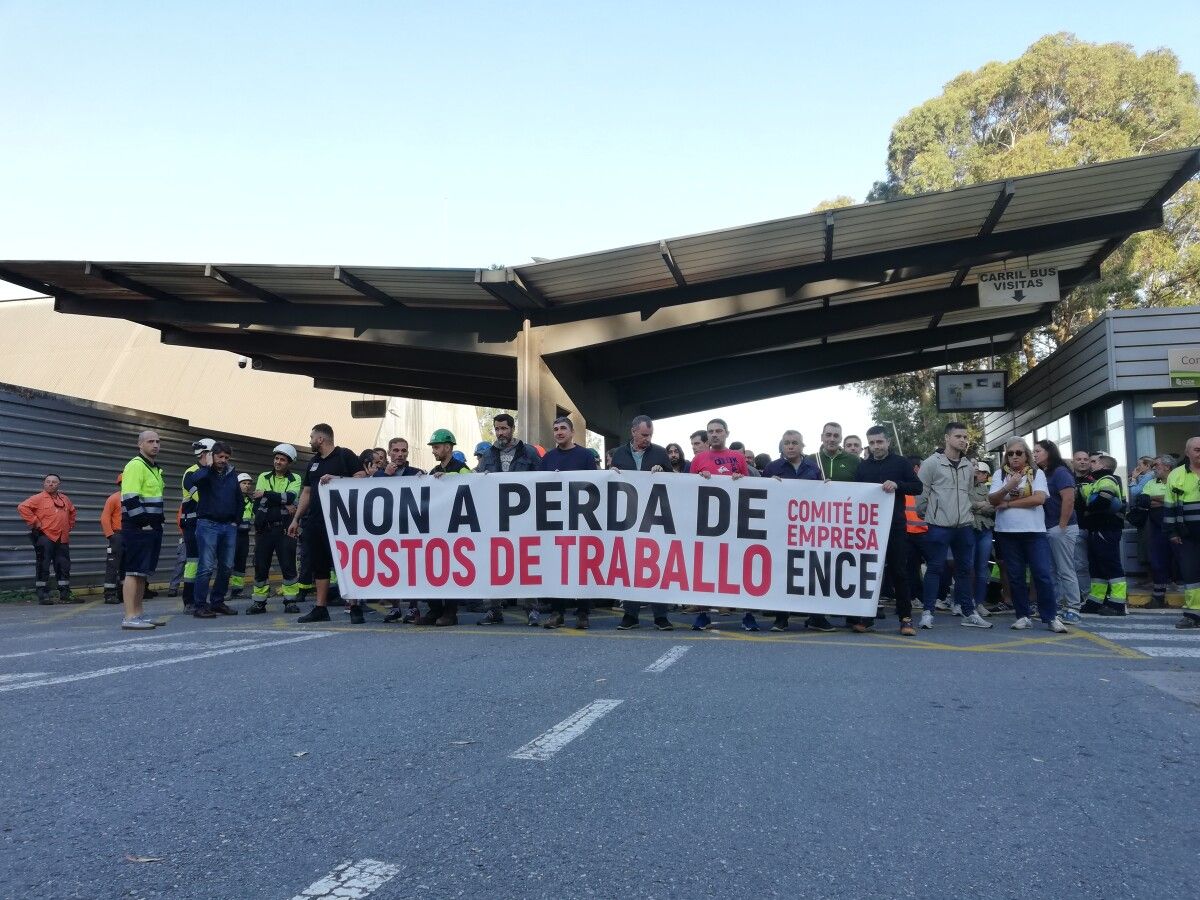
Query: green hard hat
x=443, y=436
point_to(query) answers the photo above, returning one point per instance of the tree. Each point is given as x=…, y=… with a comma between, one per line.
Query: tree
x=486, y=414
x=1062, y=103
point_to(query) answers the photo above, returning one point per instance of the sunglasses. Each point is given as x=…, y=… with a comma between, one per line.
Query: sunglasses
x=1015, y=453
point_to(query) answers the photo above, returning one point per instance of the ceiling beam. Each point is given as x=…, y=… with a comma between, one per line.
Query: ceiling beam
x=352, y=281
x=341, y=371
x=909, y=262
x=242, y=286
x=442, y=395
x=798, y=361
x=507, y=287
x=129, y=284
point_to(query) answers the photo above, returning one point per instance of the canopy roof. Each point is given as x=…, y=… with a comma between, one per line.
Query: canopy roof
x=684, y=323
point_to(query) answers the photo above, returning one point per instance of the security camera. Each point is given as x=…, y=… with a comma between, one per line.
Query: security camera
x=243, y=362
x=256, y=364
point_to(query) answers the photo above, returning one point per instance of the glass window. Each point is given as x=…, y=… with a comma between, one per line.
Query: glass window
x=1115, y=419
x=1180, y=404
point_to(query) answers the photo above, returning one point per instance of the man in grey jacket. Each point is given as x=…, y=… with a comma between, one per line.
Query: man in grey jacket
x=945, y=505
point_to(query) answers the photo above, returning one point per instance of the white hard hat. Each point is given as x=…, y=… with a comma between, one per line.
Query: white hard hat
x=287, y=450
x=204, y=445
x=244, y=476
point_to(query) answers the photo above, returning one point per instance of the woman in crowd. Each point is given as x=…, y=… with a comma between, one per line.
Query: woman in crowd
x=1062, y=525
x=984, y=520
x=679, y=462
x=1018, y=493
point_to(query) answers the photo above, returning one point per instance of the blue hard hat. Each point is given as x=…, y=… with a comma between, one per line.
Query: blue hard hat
x=482, y=447
x=458, y=454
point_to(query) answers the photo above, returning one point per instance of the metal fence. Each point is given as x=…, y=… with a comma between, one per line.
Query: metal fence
x=88, y=444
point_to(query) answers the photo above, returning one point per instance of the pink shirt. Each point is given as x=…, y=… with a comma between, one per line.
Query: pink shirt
x=719, y=462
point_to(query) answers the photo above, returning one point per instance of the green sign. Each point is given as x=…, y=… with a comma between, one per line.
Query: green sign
x=1183, y=364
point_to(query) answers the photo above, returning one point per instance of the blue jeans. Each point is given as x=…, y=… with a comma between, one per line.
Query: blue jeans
x=217, y=541
x=961, y=542
x=1020, y=549
x=982, y=567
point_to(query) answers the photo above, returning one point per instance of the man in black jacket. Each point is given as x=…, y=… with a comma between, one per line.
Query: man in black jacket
x=641, y=455
x=893, y=473
x=508, y=453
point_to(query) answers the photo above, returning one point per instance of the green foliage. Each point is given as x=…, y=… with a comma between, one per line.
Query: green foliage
x=486, y=414
x=1062, y=103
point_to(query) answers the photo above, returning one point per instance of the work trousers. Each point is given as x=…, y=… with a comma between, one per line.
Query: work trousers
x=217, y=542
x=191, y=562
x=56, y=554
x=113, y=576
x=241, y=556
x=1062, y=554
x=274, y=541
x=895, y=570
x=981, y=569
x=1163, y=557
x=1188, y=554
x=1021, y=549
x=634, y=607
x=582, y=607
x=1104, y=564
x=961, y=543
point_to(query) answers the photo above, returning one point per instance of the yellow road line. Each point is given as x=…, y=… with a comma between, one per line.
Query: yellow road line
x=1127, y=652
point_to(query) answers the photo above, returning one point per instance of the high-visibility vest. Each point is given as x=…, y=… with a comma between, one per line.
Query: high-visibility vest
x=913, y=523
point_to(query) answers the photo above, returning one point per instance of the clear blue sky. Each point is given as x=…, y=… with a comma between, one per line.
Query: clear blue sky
x=470, y=133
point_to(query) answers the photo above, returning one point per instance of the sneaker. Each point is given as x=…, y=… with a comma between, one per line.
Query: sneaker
x=906, y=627
x=1021, y=624
x=411, y=615
x=203, y=612
x=974, y=620
x=136, y=624
x=316, y=614
x=493, y=617
x=781, y=623
x=1057, y=626
x=557, y=620
x=749, y=623
x=943, y=605
x=447, y=620
x=153, y=620
x=258, y=607
x=1113, y=609
x=356, y=614
x=396, y=615
x=534, y=618
x=581, y=621
x=224, y=610
x=819, y=623
x=702, y=623
x=1071, y=616
x=982, y=610
x=664, y=624
x=629, y=622
x=956, y=610
x=858, y=627
x=1186, y=621
x=926, y=619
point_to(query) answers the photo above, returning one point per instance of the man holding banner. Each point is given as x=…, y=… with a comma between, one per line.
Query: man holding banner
x=567, y=456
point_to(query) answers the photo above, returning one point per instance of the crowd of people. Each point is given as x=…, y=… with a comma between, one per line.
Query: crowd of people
x=1054, y=528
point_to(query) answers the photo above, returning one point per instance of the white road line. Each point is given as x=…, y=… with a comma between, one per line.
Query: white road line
x=1133, y=626
x=666, y=659
x=135, y=640
x=548, y=743
x=351, y=880
x=1142, y=636
x=165, y=647
x=18, y=676
x=117, y=670
x=1157, y=651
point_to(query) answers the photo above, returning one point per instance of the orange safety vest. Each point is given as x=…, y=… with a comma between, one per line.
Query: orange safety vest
x=913, y=523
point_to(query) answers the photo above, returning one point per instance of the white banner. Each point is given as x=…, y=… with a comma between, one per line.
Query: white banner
x=757, y=543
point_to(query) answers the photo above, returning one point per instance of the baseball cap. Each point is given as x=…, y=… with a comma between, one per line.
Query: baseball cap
x=442, y=436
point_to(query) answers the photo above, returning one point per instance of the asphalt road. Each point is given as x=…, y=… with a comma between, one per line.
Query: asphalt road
x=253, y=757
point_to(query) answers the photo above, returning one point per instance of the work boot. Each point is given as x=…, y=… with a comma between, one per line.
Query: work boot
x=356, y=614
x=1157, y=601
x=557, y=620
x=581, y=621
x=435, y=612
x=1091, y=607
x=448, y=617
x=291, y=608
x=43, y=597
x=316, y=614
x=257, y=608
x=173, y=592
x=111, y=598
x=236, y=593
x=1112, y=608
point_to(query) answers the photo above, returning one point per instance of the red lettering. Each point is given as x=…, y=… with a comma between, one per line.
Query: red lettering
x=564, y=543
x=723, y=584
x=437, y=562
x=466, y=574
x=411, y=546
x=362, y=572
x=343, y=553
x=698, y=583
x=674, y=570
x=503, y=561
x=618, y=566
x=389, y=574
x=760, y=587
x=530, y=544
x=645, y=554
x=591, y=554
x=793, y=510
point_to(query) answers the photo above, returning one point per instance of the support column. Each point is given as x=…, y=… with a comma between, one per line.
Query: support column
x=540, y=396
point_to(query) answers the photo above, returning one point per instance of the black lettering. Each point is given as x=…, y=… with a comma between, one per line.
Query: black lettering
x=818, y=573
x=341, y=515
x=658, y=511
x=411, y=513
x=625, y=522
x=746, y=513
x=578, y=507
x=514, y=500
x=845, y=561
x=383, y=523
x=545, y=504
x=704, y=500
x=462, y=512
x=795, y=571
x=868, y=573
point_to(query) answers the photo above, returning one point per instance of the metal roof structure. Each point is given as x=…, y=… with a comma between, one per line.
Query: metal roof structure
x=663, y=327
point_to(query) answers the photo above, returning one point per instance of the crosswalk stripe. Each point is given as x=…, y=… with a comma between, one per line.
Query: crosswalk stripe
x=1134, y=626
x=1170, y=651
x=351, y=880
x=1142, y=636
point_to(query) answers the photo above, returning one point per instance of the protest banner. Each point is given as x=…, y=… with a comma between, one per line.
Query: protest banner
x=757, y=543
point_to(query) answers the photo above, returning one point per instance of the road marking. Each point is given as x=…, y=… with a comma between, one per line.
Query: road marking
x=165, y=646
x=666, y=659
x=352, y=880
x=133, y=640
x=548, y=743
x=1142, y=636
x=1133, y=626
x=1183, y=685
x=117, y=670
x=1170, y=651
x=1120, y=650
x=18, y=676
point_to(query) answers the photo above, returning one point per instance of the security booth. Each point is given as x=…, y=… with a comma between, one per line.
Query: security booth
x=1127, y=385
